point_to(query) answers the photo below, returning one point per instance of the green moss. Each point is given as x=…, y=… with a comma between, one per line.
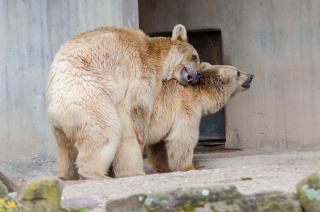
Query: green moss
x=216, y=198
x=277, y=201
x=3, y=190
x=191, y=206
x=308, y=190
x=42, y=194
x=74, y=210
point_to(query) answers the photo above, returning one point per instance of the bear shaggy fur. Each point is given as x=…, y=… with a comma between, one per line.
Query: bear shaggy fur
x=175, y=121
x=101, y=88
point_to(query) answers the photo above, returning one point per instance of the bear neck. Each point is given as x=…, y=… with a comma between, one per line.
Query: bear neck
x=214, y=94
x=156, y=54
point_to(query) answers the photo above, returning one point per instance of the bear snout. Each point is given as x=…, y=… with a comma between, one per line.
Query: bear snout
x=250, y=78
x=190, y=76
x=247, y=83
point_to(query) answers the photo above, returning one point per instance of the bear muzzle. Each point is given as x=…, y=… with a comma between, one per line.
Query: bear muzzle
x=247, y=83
x=190, y=76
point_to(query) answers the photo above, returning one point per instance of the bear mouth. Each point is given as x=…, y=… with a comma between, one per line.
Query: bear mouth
x=189, y=76
x=246, y=85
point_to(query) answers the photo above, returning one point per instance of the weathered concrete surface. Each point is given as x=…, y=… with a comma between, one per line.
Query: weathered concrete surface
x=278, y=41
x=249, y=171
x=30, y=34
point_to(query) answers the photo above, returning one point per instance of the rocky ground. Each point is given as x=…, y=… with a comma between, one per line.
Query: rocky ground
x=250, y=172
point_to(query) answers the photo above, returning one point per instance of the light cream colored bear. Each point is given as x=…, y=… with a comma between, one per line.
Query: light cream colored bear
x=101, y=89
x=175, y=121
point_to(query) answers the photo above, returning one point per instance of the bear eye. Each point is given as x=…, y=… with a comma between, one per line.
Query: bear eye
x=238, y=73
x=194, y=57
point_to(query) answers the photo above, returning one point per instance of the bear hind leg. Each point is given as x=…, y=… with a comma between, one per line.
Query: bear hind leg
x=128, y=160
x=97, y=142
x=94, y=163
x=66, y=168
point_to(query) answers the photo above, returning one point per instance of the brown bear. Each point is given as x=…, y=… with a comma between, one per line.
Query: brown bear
x=175, y=121
x=101, y=89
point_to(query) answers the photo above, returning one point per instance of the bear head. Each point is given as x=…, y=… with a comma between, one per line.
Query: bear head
x=227, y=77
x=183, y=60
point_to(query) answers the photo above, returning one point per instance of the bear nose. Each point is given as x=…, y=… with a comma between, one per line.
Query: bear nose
x=250, y=77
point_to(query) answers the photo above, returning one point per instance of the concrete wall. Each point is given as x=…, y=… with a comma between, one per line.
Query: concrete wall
x=30, y=34
x=278, y=41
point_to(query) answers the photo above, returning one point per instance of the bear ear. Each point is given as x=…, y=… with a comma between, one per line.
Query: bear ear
x=224, y=76
x=205, y=66
x=179, y=33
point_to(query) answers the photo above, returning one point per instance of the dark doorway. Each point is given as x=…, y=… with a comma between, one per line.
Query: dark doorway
x=208, y=43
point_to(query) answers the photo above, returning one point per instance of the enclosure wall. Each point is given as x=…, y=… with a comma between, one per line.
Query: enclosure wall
x=31, y=32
